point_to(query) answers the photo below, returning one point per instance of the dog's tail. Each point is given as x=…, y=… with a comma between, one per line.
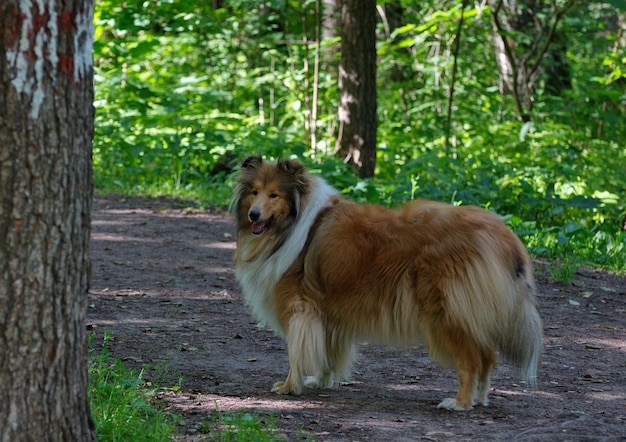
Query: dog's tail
x=496, y=303
x=521, y=342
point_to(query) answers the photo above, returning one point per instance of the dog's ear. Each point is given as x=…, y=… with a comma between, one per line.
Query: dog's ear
x=253, y=161
x=291, y=167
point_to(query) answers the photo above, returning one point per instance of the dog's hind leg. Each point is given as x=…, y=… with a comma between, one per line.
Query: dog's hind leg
x=306, y=346
x=464, y=397
x=341, y=351
x=484, y=382
x=452, y=346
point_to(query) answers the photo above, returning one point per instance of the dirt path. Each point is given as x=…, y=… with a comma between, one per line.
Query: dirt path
x=163, y=285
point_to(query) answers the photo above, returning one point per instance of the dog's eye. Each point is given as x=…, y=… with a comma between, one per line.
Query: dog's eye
x=255, y=193
x=273, y=195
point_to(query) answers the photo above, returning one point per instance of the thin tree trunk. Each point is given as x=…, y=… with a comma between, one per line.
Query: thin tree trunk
x=46, y=132
x=329, y=61
x=455, y=54
x=618, y=45
x=316, y=73
x=391, y=14
x=356, y=141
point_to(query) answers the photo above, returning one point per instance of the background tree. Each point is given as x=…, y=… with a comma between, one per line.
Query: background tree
x=331, y=10
x=46, y=129
x=526, y=36
x=356, y=141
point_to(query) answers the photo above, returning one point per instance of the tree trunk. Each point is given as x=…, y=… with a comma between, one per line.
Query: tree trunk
x=46, y=133
x=356, y=142
x=524, y=36
x=330, y=31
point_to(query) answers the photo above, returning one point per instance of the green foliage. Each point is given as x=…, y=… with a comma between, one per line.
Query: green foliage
x=182, y=87
x=180, y=84
x=120, y=402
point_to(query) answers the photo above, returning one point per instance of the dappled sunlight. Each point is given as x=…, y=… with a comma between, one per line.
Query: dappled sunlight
x=616, y=396
x=130, y=295
x=109, y=222
x=525, y=393
x=603, y=343
x=137, y=321
x=416, y=386
x=114, y=237
x=227, y=245
x=495, y=392
x=204, y=403
x=561, y=396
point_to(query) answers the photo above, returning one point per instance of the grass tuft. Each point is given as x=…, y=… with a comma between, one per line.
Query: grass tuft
x=242, y=427
x=120, y=401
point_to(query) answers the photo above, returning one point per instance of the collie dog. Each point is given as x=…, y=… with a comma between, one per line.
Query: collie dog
x=326, y=273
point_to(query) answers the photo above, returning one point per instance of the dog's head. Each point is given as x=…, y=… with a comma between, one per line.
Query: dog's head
x=268, y=194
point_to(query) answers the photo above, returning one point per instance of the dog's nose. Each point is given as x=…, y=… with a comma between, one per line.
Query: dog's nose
x=254, y=215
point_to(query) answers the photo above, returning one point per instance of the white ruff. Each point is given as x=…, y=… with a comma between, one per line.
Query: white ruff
x=258, y=278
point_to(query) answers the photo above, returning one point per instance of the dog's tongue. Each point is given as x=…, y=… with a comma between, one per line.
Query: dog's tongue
x=258, y=228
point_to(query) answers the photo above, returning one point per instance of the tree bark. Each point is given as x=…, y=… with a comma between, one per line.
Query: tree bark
x=46, y=134
x=330, y=31
x=356, y=141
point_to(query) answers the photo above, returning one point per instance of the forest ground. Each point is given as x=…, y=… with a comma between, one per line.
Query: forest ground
x=163, y=284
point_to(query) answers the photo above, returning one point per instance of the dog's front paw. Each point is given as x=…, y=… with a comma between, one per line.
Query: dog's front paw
x=284, y=388
x=450, y=403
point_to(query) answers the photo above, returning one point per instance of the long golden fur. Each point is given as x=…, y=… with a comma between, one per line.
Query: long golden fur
x=326, y=273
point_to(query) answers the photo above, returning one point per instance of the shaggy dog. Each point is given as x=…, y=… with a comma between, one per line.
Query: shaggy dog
x=326, y=273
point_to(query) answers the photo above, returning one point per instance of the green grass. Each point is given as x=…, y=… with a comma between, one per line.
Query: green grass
x=563, y=271
x=242, y=427
x=120, y=401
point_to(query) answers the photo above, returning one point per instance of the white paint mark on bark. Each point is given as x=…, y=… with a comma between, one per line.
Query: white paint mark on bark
x=83, y=43
x=16, y=60
x=39, y=94
x=26, y=61
x=53, y=29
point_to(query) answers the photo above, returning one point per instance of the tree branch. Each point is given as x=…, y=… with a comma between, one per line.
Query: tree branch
x=557, y=17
